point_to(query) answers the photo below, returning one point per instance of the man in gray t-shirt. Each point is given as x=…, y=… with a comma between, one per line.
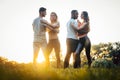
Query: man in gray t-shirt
x=39, y=29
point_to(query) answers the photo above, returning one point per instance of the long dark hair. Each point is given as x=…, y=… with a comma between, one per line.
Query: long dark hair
x=86, y=17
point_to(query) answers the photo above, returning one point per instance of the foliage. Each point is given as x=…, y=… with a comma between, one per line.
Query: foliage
x=115, y=53
x=108, y=50
x=102, y=63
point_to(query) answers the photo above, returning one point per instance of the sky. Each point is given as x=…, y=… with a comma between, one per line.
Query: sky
x=16, y=17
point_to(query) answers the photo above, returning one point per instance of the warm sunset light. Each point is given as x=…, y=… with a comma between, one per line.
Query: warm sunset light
x=41, y=57
x=96, y=55
x=16, y=41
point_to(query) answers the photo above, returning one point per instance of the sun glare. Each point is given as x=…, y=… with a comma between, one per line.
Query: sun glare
x=40, y=57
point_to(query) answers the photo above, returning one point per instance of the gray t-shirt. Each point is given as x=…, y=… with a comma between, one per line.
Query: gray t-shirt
x=39, y=30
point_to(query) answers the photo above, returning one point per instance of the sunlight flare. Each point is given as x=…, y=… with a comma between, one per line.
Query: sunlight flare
x=40, y=57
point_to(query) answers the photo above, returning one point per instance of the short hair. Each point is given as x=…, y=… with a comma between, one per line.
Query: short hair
x=73, y=11
x=41, y=9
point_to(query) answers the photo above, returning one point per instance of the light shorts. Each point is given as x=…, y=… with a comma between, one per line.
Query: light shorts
x=38, y=45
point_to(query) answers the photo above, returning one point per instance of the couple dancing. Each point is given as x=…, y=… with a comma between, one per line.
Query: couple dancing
x=77, y=39
x=40, y=26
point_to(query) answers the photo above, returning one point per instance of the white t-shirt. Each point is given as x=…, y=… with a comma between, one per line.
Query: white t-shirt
x=71, y=33
x=39, y=30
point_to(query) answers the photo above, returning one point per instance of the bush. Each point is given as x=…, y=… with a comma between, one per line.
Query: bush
x=103, y=63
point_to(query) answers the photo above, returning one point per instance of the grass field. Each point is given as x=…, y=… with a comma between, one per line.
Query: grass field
x=102, y=68
x=17, y=71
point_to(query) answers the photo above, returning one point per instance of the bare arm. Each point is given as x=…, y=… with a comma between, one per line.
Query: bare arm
x=80, y=27
x=48, y=27
x=74, y=26
x=83, y=26
x=57, y=25
x=53, y=26
x=47, y=23
x=79, y=23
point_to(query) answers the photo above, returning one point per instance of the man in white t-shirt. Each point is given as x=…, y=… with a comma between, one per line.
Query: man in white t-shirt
x=39, y=29
x=72, y=39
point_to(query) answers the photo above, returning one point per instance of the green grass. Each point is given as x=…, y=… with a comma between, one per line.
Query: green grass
x=17, y=71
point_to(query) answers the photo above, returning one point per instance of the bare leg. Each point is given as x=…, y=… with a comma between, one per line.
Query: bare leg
x=57, y=53
x=35, y=52
x=47, y=53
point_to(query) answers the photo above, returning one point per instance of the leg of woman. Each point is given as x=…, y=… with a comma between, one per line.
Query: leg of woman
x=48, y=51
x=57, y=51
x=77, y=56
x=78, y=51
x=87, y=49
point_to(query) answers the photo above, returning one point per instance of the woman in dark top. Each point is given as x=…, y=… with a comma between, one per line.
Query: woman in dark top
x=84, y=41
